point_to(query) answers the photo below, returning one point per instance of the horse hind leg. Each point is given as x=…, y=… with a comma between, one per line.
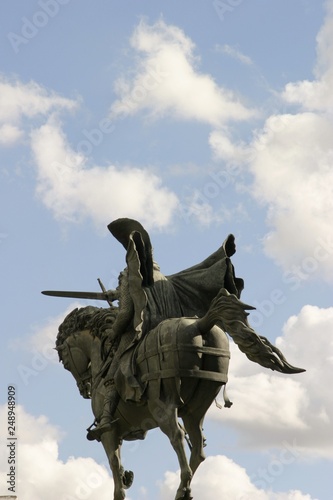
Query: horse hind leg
x=167, y=418
x=193, y=428
x=193, y=416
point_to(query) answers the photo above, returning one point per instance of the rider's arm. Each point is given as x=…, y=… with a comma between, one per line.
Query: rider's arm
x=126, y=309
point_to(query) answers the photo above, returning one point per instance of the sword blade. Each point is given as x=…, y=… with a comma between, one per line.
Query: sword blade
x=79, y=295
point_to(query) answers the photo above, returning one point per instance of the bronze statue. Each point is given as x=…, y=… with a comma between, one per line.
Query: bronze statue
x=162, y=354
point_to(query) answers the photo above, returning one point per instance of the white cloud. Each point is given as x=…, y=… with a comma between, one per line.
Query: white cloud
x=168, y=82
x=42, y=341
x=194, y=207
x=317, y=94
x=9, y=134
x=293, y=176
x=74, y=191
x=220, y=477
x=201, y=205
x=41, y=474
x=307, y=338
x=272, y=409
x=41, y=347
x=227, y=150
x=25, y=100
x=292, y=160
x=235, y=53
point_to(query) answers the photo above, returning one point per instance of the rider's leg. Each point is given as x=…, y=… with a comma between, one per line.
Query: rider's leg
x=111, y=400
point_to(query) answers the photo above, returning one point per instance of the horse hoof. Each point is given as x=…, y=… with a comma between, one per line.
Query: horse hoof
x=127, y=479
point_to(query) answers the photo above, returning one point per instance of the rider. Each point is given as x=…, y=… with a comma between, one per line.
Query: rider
x=137, y=275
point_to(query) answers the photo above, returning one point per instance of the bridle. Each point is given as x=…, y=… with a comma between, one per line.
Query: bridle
x=83, y=380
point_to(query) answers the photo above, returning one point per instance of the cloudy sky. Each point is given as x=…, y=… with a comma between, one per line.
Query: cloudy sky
x=199, y=120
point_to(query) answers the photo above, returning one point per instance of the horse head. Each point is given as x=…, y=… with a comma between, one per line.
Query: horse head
x=79, y=343
x=76, y=360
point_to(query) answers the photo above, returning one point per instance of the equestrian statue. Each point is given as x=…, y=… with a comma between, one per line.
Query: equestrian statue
x=162, y=353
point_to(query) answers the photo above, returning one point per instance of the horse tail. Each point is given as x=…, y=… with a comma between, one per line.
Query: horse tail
x=230, y=313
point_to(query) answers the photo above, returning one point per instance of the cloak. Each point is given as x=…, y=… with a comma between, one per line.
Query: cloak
x=187, y=293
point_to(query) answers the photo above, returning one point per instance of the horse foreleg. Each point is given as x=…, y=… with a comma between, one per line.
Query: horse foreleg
x=112, y=445
x=166, y=417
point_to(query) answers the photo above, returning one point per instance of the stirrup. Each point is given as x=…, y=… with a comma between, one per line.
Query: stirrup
x=96, y=433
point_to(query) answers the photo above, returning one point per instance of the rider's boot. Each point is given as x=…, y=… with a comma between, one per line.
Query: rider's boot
x=111, y=400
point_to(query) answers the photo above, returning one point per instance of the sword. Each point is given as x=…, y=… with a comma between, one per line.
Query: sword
x=108, y=295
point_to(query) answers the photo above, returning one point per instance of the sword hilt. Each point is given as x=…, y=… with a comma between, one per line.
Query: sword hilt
x=106, y=293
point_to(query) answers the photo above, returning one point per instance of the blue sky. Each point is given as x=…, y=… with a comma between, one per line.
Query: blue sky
x=199, y=120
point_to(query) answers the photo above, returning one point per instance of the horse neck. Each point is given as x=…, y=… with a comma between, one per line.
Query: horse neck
x=91, y=346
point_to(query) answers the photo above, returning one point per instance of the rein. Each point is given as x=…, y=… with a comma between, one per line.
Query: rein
x=82, y=380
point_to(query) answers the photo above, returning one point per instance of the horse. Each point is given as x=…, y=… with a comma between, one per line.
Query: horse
x=181, y=366
x=178, y=368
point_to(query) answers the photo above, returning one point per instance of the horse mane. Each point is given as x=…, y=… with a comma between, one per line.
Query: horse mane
x=95, y=319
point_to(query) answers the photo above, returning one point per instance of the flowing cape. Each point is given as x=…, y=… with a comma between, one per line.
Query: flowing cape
x=186, y=293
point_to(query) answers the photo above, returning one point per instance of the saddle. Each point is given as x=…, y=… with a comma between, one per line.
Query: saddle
x=164, y=354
